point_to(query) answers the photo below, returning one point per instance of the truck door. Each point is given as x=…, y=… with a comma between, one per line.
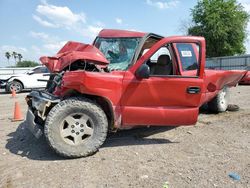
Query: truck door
x=172, y=93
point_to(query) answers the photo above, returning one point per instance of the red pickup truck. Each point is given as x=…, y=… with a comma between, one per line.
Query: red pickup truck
x=125, y=79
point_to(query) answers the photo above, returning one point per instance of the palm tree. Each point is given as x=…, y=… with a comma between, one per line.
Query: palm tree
x=19, y=57
x=7, y=55
x=14, y=54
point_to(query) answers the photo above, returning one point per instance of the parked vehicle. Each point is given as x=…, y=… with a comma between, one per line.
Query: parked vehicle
x=125, y=79
x=28, y=80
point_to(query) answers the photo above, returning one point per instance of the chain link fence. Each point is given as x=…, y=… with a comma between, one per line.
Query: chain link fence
x=229, y=63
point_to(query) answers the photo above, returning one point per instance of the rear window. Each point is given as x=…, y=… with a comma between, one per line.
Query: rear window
x=188, y=56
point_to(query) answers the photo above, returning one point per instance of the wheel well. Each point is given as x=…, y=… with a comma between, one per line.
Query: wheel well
x=107, y=108
x=16, y=80
x=104, y=103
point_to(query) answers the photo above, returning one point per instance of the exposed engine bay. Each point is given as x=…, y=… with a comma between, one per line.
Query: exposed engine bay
x=84, y=65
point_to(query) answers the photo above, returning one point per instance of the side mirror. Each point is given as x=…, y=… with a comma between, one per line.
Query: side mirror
x=30, y=72
x=143, y=71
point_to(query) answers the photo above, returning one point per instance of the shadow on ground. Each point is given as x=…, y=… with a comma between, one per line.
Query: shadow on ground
x=138, y=136
x=23, y=143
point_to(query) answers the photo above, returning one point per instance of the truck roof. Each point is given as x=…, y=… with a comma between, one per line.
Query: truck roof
x=109, y=33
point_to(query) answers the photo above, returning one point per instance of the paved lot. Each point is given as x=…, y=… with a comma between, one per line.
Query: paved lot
x=197, y=156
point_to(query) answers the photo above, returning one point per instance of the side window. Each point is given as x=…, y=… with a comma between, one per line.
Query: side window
x=40, y=70
x=37, y=70
x=160, y=63
x=189, y=55
x=45, y=70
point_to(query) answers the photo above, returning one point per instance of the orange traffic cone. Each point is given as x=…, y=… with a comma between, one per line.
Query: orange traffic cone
x=17, y=113
x=13, y=93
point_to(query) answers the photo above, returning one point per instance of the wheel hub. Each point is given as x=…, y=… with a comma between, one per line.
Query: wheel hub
x=76, y=128
x=15, y=87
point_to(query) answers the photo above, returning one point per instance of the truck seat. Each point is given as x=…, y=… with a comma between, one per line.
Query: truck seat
x=163, y=66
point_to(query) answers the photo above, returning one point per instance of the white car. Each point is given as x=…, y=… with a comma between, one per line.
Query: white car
x=28, y=80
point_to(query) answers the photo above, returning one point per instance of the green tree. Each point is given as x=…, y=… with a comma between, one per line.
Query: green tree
x=7, y=55
x=19, y=56
x=223, y=23
x=27, y=64
x=14, y=55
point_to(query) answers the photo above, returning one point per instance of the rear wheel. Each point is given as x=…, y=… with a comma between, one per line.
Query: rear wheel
x=76, y=127
x=220, y=102
x=14, y=85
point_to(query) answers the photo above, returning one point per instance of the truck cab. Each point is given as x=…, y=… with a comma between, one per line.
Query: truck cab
x=163, y=77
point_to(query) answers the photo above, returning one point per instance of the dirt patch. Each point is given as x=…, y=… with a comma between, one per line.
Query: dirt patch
x=196, y=156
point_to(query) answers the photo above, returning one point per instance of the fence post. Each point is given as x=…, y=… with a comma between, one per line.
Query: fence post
x=246, y=61
x=220, y=63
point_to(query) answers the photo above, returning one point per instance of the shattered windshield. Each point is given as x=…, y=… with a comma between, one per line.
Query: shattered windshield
x=118, y=51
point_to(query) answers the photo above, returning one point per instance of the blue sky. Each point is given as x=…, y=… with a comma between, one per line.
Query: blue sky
x=41, y=27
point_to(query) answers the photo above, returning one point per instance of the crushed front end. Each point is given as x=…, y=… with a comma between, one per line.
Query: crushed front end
x=39, y=105
x=73, y=56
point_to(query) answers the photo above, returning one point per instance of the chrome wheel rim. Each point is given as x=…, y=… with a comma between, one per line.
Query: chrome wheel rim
x=15, y=86
x=76, y=129
x=223, y=99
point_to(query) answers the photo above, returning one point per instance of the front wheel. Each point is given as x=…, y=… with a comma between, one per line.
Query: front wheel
x=220, y=102
x=14, y=85
x=76, y=127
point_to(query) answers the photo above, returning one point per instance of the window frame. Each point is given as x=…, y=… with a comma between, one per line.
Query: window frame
x=179, y=64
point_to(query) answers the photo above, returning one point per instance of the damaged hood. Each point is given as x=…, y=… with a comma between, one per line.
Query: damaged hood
x=71, y=52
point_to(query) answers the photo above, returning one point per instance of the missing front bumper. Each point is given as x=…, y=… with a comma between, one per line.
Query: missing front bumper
x=2, y=84
x=40, y=103
x=34, y=128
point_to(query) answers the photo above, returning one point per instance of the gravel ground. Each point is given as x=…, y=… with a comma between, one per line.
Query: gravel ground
x=195, y=156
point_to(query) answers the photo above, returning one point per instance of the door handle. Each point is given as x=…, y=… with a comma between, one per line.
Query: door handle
x=193, y=90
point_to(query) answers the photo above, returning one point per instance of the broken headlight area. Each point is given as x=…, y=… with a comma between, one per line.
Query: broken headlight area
x=3, y=83
x=54, y=81
x=40, y=103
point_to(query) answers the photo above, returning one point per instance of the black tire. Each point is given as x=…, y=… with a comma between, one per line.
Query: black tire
x=220, y=102
x=16, y=85
x=76, y=117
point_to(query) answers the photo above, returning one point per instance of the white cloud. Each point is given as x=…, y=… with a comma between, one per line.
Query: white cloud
x=163, y=4
x=48, y=48
x=118, y=20
x=91, y=31
x=99, y=24
x=44, y=37
x=57, y=16
x=39, y=35
x=51, y=44
x=9, y=48
x=94, y=29
x=43, y=22
x=49, y=15
x=54, y=47
x=36, y=49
